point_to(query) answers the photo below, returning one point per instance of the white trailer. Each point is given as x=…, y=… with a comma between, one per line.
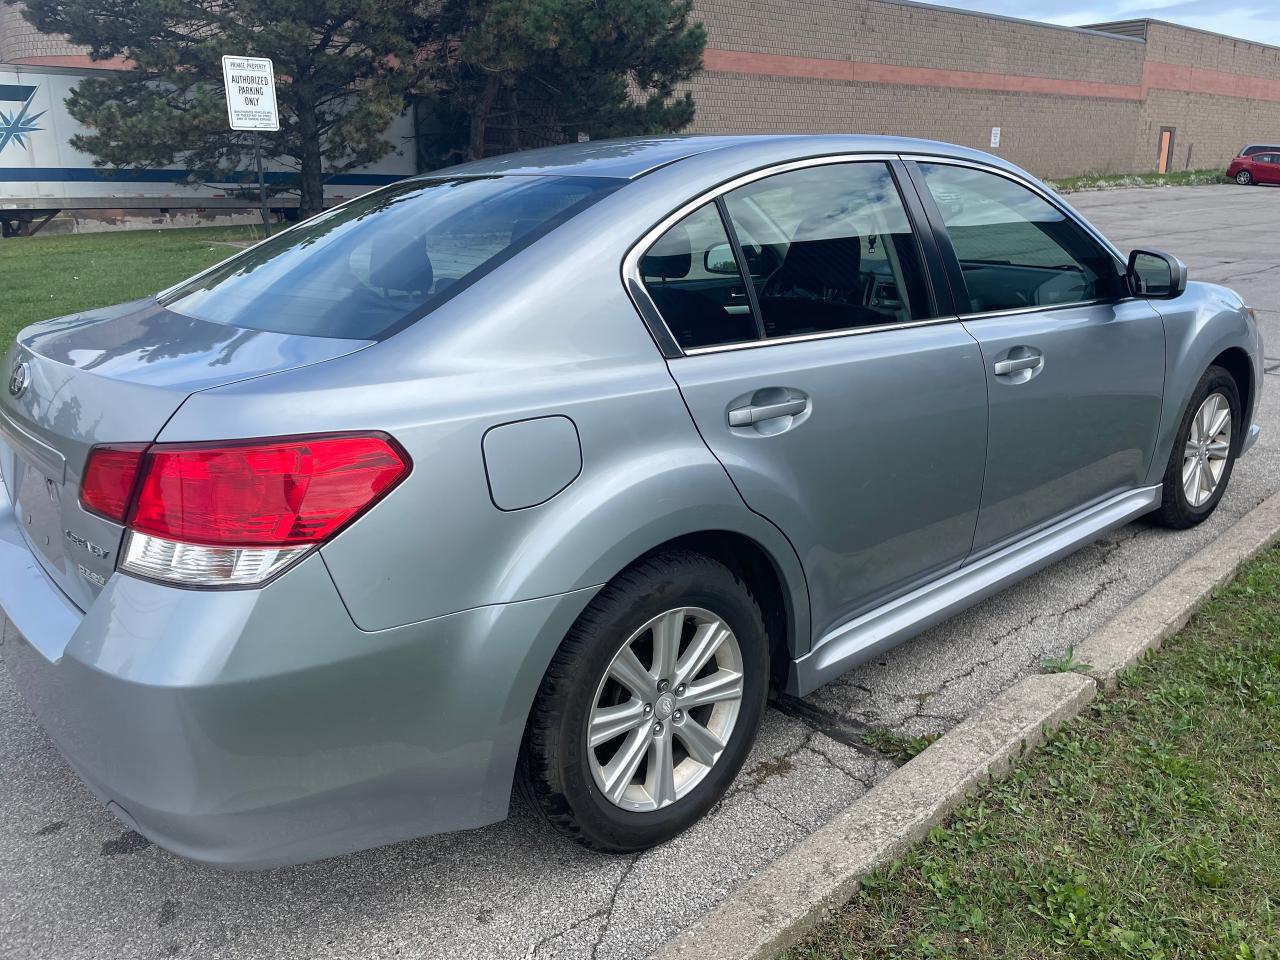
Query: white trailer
x=42, y=174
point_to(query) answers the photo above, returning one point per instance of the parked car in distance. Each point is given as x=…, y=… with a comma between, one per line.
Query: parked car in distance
x=1255, y=148
x=1255, y=168
x=546, y=468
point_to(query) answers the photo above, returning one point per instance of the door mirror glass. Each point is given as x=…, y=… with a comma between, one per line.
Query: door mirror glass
x=719, y=259
x=1156, y=275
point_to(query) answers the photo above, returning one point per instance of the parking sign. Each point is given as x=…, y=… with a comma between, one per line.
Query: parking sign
x=251, y=93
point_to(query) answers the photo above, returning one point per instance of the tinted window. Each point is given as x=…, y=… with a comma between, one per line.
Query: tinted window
x=693, y=279
x=362, y=269
x=829, y=248
x=1016, y=249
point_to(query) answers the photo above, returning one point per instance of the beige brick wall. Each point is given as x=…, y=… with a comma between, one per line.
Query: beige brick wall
x=21, y=41
x=1051, y=135
x=1047, y=135
x=1212, y=128
x=1196, y=48
x=1209, y=129
x=879, y=32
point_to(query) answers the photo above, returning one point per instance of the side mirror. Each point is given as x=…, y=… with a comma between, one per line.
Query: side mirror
x=719, y=259
x=1156, y=275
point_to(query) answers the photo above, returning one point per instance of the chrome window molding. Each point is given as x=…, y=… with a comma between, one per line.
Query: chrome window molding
x=824, y=335
x=1046, y=308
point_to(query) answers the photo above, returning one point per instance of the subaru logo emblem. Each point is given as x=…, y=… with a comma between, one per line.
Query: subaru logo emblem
x=19, y=379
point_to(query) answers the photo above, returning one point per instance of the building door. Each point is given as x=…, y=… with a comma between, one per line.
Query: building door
x=1164, y=158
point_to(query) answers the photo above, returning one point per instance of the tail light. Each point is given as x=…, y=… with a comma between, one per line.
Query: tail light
x=236, y=513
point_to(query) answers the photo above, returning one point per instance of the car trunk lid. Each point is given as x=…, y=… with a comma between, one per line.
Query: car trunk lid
x=112, y=376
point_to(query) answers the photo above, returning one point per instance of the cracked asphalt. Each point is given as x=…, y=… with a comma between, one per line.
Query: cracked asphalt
x=74, y=883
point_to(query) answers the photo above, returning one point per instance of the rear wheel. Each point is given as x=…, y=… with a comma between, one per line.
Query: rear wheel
x=1204, y=452
x=650, y=706
x=1244, y=178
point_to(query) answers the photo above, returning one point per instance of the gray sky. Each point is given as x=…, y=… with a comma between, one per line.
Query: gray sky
x=1257, y=20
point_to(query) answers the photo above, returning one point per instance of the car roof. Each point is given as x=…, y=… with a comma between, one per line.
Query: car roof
x=632, y=157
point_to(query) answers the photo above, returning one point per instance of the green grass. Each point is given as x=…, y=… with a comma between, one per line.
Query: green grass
x=43, y=277
x=1111, y=181
x=1147, y=827
x=895, y=746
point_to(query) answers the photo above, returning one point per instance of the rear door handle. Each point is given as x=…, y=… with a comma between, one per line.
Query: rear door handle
x=757, y=413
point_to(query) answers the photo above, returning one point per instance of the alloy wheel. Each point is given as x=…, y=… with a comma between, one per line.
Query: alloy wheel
x=1204, y=459
x=665, y=709
x=1243, y=177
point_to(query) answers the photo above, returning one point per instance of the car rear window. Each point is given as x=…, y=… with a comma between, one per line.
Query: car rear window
x=372, y=266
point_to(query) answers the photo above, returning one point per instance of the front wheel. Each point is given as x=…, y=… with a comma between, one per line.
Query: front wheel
x=1244, y=178
x=1204, y=452
x=650, y=706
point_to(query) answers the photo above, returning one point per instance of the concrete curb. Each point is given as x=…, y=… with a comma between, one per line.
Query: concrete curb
x=1165, y=609
x=775, y=909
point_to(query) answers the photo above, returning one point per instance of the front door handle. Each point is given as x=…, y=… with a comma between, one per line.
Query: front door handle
x=757, y=413
x=1018, y=360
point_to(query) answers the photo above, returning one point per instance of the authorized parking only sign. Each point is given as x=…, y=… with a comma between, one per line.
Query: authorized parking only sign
x=251, y=93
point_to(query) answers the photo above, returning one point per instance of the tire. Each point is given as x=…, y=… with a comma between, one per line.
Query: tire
x=1177, y=510
x=564, y=778
x=1244, y=178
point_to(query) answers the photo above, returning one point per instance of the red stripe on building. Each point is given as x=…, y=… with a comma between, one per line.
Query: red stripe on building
x=1155, y=76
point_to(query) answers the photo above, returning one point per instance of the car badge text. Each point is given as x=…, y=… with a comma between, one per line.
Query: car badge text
x=81, y=542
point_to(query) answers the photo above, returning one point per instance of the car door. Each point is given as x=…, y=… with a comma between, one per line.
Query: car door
x=1074, y=365
x=1266, y=168
x=848, y=413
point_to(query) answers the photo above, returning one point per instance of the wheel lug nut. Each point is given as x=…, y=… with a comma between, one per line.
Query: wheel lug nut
x=680, y=690
x=648, y=709
x=657, y=729
x=678, y=716
x=662, y=685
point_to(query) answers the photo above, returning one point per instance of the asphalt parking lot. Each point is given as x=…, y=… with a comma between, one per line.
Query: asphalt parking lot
x=74, y=883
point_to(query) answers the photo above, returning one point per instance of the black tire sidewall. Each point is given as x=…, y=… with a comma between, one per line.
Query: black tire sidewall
x=706, y=584
x=1177, y=510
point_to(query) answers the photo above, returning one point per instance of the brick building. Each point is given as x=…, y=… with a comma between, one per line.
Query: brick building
x=1119, y=97
x=1067, y=100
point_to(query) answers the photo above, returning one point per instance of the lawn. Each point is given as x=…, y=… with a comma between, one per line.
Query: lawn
x=43, y=277
x=1147, y=827
x=1112, y=181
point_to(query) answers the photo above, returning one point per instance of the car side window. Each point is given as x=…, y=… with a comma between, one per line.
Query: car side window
x=1016, y=249
x=829, y=248
x=692, y=277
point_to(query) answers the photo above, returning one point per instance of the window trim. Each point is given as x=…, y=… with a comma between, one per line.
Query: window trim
x=633, y=281
x=948, y=253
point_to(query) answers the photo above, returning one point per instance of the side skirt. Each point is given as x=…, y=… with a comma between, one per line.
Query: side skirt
x=849, y=644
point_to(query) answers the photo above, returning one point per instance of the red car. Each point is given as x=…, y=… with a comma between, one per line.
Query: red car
x=1259, y=168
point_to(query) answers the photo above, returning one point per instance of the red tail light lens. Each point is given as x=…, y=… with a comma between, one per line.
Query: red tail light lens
x=269, y=493
x=109, y=478
x=238, y=513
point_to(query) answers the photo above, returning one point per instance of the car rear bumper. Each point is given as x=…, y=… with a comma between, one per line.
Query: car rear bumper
x=252, y=728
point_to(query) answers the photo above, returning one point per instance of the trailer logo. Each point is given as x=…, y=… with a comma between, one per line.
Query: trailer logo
x=15, y=127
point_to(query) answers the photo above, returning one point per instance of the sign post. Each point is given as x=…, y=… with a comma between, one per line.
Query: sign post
x=251, y=105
